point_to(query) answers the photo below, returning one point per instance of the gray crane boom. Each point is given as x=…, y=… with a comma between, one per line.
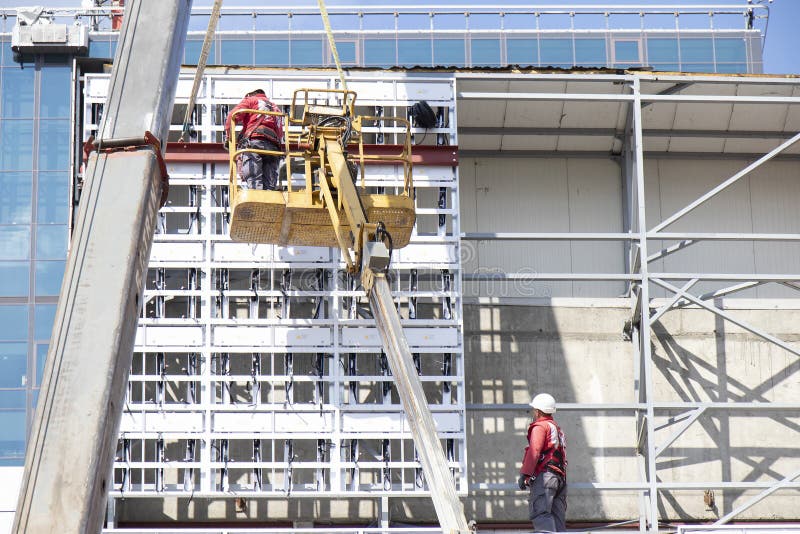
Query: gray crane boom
x=70, y=453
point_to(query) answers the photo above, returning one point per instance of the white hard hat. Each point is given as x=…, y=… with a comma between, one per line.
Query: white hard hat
x=544, y=402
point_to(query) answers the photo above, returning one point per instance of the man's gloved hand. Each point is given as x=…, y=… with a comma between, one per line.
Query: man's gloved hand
x=522, y=481
x=226, y=143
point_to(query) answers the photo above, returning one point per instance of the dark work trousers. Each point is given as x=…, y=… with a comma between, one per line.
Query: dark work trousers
x=548, y=502
x=259, y=171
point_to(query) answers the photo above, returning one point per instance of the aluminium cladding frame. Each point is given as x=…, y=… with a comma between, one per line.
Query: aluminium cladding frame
x=640, y=278
x=191, y=385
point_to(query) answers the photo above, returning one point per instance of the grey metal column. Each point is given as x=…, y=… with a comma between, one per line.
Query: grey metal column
x=409, y=387
x=71, y=448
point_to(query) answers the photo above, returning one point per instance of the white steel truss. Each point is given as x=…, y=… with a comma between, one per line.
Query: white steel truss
x=658, y=424
x=257, y=369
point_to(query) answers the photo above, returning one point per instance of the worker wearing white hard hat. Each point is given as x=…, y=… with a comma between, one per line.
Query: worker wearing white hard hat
x=544, y=467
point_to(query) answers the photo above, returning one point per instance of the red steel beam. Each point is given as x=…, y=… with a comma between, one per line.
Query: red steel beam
x=438, y=156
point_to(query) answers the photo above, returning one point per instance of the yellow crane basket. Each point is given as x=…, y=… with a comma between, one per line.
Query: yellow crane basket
x=299, y=216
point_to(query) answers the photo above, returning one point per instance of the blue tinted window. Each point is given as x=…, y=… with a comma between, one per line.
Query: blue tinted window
x=15, y=197
x=53, y=145
x=13, y=326
x=485, y=52
x=448, y=52
x=52, y=198
x=307, y=52
x=522, y=52
x=662, y=51
x=51, y=241
x=696, y=51
x=43, y=316
x=17, y=92
x=15, y=242
x=626, y=51
x=346, y=51
x=556, y=52
x=236, y=52
x=41, y=359
x=192, y=51
x=379, y=52
x=590, y=52
x=55, y=91
x=730, y=50
x=413, y=52
x=48, y=277
x=13, y=364
x=272, y=53
x=12, y=438
x=16, y=145
x=14, y=278
x=12, y=400
x=101, y=49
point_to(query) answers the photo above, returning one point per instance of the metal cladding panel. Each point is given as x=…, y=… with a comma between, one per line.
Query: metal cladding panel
x=545, y=195
x=167, y=251
x=527, y=114
x=528, y=142
x=417, y=337
x=313, y=423
x=595, y=205
x=480, y=142
x=229, y=251
x=775, y=192
x=489, y=113
x=433, y=93
x=767, y=118
x=133, y=422
x=395, y=422
x=681, y=182
x=793, y=114
x=169, y=336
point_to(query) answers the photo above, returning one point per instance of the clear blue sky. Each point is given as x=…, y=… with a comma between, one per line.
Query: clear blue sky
x=781, y=54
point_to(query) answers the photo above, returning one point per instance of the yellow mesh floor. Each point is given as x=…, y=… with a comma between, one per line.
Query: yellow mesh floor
x=287, y=219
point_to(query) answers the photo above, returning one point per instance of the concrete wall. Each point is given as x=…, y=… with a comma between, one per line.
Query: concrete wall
x=577, y=352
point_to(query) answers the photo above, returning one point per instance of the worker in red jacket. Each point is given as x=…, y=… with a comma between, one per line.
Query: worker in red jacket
x=261, y=132
x=544, y=468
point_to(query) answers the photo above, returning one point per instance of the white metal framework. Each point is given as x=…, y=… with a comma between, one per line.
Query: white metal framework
x=257, y=369
x=624, y=99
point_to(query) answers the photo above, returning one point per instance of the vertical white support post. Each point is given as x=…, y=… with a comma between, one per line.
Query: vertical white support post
x=644, y=309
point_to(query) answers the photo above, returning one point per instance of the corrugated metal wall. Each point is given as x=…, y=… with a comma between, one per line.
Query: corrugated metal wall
x=586, y=195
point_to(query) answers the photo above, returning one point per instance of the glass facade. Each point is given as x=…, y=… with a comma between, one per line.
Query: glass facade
x=446, y=40
x=35, y=180
x=687, y=51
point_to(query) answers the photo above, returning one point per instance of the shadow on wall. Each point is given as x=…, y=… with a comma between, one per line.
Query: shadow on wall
x=699, y=357
x=579, y=356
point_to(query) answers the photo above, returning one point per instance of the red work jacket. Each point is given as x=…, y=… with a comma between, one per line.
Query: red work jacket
x=547, y=448
x=255, y=125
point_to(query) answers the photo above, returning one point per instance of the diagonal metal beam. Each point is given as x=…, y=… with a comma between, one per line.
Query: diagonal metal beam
x=664, y=252
x=677, y=88
x=672, y=302
x=686, y=423
x=741, y=324
x=730, y=181
x=729, y=290
x=756, y=499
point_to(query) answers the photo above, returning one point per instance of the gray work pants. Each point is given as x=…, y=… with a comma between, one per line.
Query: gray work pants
x=548, y=503
x=259, y=171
